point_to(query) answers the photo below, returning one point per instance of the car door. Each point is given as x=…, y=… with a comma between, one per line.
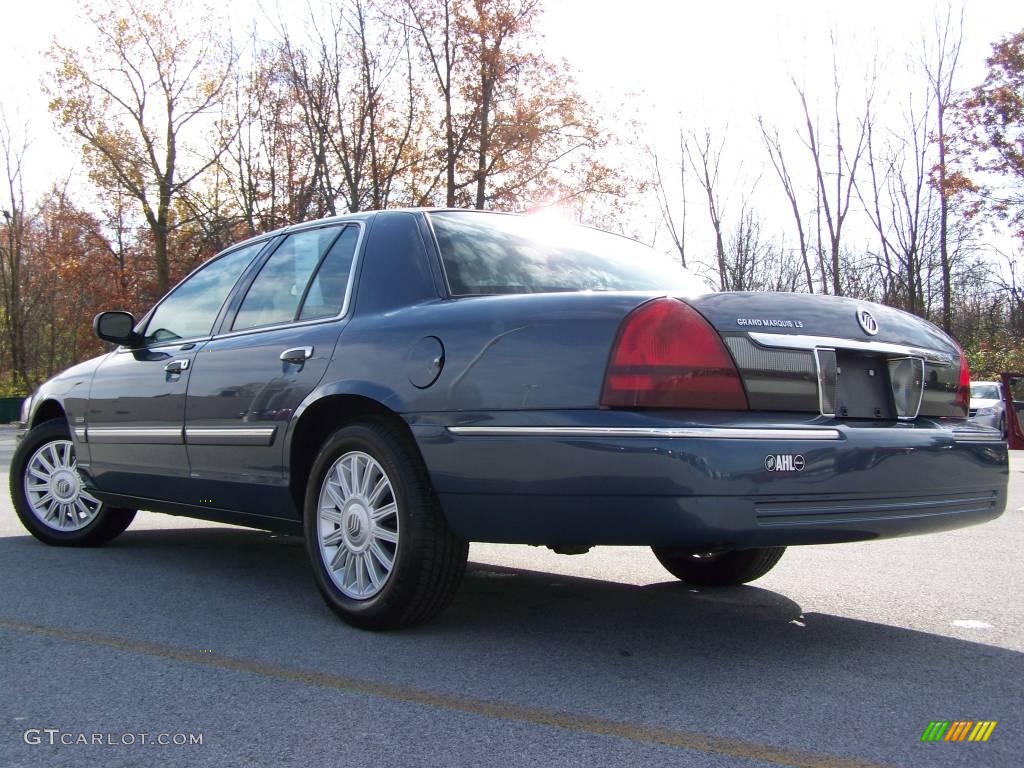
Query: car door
x=273, y=348
x=136, y=411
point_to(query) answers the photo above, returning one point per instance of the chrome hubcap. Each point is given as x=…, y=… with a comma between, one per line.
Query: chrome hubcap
x=54, y=489
x=357, y=525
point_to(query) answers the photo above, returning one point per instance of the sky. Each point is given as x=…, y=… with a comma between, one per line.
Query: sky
x=719, y=64
x=715, y=63
x=730, y=57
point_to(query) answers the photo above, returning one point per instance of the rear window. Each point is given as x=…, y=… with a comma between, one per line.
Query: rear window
x=490, y=253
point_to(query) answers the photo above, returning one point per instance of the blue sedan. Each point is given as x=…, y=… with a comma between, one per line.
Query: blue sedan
x=393, y=385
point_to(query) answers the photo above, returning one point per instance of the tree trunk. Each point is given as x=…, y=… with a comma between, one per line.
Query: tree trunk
x=163, y=273
x=449, y=128
x=947, y=276
x=486, y=82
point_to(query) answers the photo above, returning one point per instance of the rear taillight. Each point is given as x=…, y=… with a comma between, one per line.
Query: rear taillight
x=963, y=388
x=667, y=356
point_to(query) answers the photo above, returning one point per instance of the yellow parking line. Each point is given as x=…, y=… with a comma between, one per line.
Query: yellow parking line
x=694, y=740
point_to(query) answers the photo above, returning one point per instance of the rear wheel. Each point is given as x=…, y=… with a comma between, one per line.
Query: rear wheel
x=382, y=554
x=718, y=569
x=50, y=497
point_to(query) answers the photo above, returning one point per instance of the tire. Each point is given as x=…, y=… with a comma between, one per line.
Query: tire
x=58, y=510
x=1002, y=426
x=354, y=525
x=718, y=570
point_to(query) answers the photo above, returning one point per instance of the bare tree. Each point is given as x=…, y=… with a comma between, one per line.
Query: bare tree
x=1011, y=283
x=754, y=263
x=315, y=79
x=940, y=59
x=665, y=198
x=267, y=166
x=372, y=133
x=705, y=159
x=834, y=155
x=773, y=144
x=353, y=81
x=386, y=125
x=444, y=49
x=900, y=204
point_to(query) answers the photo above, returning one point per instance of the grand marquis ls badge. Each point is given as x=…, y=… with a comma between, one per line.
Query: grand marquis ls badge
x=867, y=322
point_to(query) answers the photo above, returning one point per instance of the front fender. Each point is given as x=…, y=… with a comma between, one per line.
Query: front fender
x=69, y=389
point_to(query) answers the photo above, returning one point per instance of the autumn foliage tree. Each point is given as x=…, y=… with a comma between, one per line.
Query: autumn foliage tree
x=136, y=100
x=512, y=130
x=993, y=114
x=67, y=273
x=15, y=269
x=194, y=140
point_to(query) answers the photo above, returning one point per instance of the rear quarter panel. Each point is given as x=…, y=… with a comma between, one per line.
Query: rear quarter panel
x=499, y=353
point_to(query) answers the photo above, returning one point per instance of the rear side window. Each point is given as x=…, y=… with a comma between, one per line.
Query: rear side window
x=326, y=294
x=277, y=291
x=487, y=253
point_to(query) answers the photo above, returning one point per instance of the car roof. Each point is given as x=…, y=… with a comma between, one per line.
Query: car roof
x=358, y=216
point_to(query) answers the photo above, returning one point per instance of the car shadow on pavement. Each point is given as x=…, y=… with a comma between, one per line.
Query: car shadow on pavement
x=747, y=660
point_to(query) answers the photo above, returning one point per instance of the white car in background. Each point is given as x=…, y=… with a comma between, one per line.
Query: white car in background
x=987, y=406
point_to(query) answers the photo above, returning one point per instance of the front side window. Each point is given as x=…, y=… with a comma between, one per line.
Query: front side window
x=189, y=311
x=277, y=291
x=489, y=253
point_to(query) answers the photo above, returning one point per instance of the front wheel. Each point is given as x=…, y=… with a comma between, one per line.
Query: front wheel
x=382, y=553
x=718, y=569
x=51, y=499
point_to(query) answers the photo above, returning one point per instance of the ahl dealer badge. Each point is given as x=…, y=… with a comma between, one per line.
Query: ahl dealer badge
x=784, y=462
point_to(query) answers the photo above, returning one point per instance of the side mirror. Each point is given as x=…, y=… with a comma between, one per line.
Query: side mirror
x=117, y=327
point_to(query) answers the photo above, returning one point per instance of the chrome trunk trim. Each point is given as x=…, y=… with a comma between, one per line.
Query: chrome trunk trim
x=916, y=410
x=826, y=388
x=799, y=341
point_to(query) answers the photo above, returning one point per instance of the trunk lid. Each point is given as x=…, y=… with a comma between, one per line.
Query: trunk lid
x=800, y=352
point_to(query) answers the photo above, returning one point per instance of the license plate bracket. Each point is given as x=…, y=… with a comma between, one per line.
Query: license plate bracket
x=863, y=390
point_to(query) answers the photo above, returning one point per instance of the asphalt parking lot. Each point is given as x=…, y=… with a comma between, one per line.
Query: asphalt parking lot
x=839, y=657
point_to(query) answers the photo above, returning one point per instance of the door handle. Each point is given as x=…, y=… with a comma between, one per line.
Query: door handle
x=177, y=366
x=297, y=355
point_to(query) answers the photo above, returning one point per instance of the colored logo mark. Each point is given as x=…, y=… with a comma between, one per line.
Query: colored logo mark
x=958, y=730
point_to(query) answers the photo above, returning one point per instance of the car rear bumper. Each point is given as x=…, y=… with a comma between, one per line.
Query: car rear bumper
x=732, y=484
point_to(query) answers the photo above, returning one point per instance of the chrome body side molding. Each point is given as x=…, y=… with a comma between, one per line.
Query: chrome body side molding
x=230, y=435
x=143, y=435
x=711, y=433
x=177, y=436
